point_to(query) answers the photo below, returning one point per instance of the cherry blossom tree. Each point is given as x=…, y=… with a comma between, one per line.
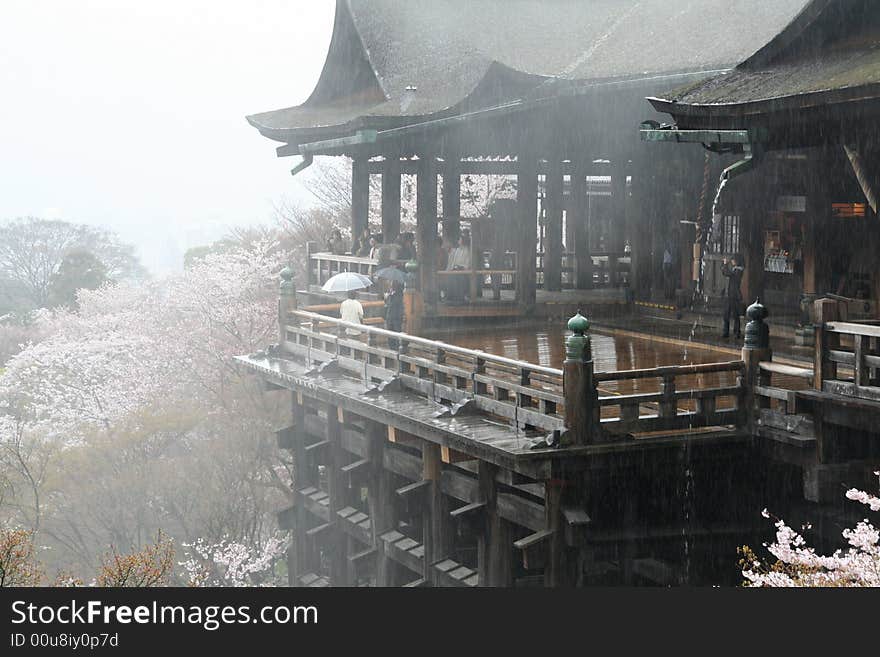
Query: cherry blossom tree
x=130, y=416
x=230, y=563
x=797, y=564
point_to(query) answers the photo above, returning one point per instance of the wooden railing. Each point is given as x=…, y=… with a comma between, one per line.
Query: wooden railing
x=324, y=265
x=856, y=347
x=525, y=395
x=784, y=394
x=678, y=404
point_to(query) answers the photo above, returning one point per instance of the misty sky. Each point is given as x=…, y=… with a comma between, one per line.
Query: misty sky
x=130, y=114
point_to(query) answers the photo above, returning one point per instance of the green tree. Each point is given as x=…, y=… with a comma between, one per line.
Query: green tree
x=32, y=249
x=79, y=270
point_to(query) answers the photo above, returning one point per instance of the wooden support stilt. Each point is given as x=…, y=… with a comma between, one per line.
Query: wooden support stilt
x=437, y=529
x=383, y=512
x=497, y=543
x=336, y=489
x=301, y=562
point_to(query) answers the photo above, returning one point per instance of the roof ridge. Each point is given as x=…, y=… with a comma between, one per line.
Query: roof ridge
x=360, y=38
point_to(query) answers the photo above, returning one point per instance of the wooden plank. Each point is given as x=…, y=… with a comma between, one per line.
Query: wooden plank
x=317, y=531
x=314, y=507
x=286, y=438
x=448, y=455
x=673, y=370
x=402, y=463
x=415, y=496
x=786, y=370
x=520, y=511
x=459, y=486
x=354, y=442
x=847, y=389
x=850, y=328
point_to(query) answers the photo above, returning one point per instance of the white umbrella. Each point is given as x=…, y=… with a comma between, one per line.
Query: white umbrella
x=346, y=281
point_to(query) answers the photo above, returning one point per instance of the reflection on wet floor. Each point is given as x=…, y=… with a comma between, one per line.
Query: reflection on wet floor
x=544, y=344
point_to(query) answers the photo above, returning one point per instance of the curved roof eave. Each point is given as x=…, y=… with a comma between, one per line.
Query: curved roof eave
x=767, y=105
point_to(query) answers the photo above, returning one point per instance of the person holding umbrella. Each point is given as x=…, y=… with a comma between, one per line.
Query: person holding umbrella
x=394, y=311
x=351, y=311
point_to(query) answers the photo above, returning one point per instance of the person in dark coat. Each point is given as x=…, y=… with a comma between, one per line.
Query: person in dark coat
x=394, y=311
x=733, y=305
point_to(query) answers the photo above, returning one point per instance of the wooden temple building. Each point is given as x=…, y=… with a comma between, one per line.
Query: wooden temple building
x=546, y=92
x=801, y=115
x=422, y=463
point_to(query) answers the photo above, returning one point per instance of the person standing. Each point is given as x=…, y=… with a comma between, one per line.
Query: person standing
x=335, y=244
x=361, y=246
x=459, y=260
x=351, y=311
x=733, y=303
x=394, y=311
x=668, y=278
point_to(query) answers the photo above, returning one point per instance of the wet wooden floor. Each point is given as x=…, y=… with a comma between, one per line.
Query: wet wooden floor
x=544, y=344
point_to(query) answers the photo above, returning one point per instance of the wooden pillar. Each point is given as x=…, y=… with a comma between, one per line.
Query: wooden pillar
x=642, y=221
x=553, y=218
x=301, y=479
x=380, y=501
x=578, y=215
x=496, y=568
x=752, y=246
x=556, y=566
x=526, y=199
x=451, y=197
x=438, y=532
x=426, y=227
x=360, y=196
x=390, y=199
x=618, y=217
x=336, y=490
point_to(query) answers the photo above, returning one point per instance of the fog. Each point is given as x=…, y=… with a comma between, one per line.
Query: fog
x=131, y=115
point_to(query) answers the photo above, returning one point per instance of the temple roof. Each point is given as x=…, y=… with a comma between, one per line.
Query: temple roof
x=830, y=54
x=391, y=63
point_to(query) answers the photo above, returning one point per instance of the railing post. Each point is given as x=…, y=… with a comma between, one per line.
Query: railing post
x=286, y=303
x=755, y=349
x=578, y=386
x=825, y=310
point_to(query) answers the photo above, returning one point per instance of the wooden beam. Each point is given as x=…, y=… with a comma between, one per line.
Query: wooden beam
x=534, y=548
x=356, y=472
x=414, y=496
x=448, y=455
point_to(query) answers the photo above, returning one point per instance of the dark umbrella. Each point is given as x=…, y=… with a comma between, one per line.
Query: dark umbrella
x=391, y=274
